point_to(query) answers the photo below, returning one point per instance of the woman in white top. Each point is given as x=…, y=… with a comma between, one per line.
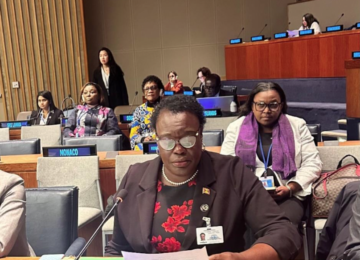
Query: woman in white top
x=111, y=79
x=310, y=22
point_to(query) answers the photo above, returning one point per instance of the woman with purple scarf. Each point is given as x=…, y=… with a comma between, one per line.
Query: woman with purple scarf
x=270, y=142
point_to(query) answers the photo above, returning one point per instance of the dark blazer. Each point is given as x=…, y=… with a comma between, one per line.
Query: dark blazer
x=118, y=95
x=53, y=118
x=236, y=197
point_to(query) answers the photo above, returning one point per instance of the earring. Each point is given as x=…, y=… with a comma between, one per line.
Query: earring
x=203, y=146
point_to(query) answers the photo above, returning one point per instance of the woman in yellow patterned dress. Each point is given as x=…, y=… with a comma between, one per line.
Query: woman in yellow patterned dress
x=141, y=131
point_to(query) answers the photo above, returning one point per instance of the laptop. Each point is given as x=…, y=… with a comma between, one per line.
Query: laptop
x=222, y=103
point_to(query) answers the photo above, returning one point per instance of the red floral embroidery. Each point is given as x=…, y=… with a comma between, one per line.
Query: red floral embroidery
x=171, y=225
x=157, y=207
x=159, y=186
x=190, y=202
x=180, y=212
x=155, y=239
x=191, y=183
x=169, y=245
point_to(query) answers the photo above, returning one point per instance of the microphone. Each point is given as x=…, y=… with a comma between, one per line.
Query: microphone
x=67, y=107
x=240, y=32
x=194, y=82
x=341, y=16
x=120, y=198
x=262, y=29
x=132, y=103
x=35, y=118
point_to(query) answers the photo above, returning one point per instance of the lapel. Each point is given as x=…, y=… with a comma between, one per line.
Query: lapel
x=51, y=114
x=205, y=178
x=146, y=202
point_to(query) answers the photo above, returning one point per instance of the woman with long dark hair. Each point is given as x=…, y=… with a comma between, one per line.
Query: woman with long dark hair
x=310, y=22
x=47, y=113
x=273, y=143
x=110, y=77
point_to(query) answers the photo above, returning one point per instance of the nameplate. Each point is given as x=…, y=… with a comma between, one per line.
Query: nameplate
x=188, y=93
x=281, y=35
x=357, y=25
x=64, y=121
x=235, y=41
x=14, y=124
x=334, y=28
x=212, y=112
x=169, y=93
x=70, y=151
x=150, y=147
x=126, y=118
x=306, y=32
x=356, y=55
x=257, y=38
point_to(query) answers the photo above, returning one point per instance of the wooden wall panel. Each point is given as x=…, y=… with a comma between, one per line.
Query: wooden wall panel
x=42, y=46
x=302, y=57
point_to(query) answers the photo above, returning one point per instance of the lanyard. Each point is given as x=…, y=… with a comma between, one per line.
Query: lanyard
x=266, y=162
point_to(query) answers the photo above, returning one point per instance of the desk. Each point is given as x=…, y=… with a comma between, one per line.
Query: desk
x=346, y=143
x=25, y=167
x=15, y=134
x=314, y=56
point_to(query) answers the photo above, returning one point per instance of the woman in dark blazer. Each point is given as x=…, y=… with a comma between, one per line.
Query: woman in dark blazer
x=111, y=79
x=47, y=113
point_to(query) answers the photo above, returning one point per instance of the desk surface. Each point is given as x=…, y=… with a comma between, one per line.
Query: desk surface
x=347, y=143
x=314, y=56
x=37, y=257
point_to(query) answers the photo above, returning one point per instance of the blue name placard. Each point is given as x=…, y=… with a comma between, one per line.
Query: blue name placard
x=64, y=120
x=150, y=147
x=257, y=38
x=126, y=118
x=169, y=93
x=356, y=55
x=358, y=25
x=306, y=32
x=69, y=151
x=235, y=41
x=281, y=35
x=212, y=112
x=188, y=93
x=14, y=124
x=334, y=28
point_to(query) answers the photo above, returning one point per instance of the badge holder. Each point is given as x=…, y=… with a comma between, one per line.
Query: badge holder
x=209, y=235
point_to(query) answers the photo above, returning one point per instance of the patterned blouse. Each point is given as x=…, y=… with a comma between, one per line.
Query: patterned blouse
x=85, y=121
x=172, y=213
x=140, y=126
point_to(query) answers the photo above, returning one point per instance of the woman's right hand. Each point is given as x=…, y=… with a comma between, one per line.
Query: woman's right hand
x=148, y=139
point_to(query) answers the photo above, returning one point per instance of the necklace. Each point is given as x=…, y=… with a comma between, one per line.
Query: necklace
x=177, y=183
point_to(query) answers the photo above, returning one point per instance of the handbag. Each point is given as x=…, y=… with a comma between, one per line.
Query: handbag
x=328, y=186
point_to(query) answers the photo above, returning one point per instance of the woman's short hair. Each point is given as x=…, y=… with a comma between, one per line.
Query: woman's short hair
x=154, y=79
x=111, y=62
x=173, y=72
x=179, y=104
x=205, y=71
x=309, y=18
x=99, y=90
x=48, y=96
x=261, y=87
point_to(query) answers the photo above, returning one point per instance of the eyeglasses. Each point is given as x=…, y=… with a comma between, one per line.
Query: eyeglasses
x=261, y=106
x=186, y=142
x=172, y=76
x=151, y=88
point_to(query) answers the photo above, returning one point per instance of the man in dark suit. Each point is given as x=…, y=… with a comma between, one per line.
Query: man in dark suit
x=187, y=191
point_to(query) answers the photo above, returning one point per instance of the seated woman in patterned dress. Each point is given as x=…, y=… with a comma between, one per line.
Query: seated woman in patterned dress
x=140, y=126
x=92, y=118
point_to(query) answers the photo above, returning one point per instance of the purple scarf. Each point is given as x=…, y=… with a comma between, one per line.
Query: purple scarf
x=283, y=145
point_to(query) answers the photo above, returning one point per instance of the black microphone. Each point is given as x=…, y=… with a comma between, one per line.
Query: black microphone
x=240, y=32
x=35, y=118
x=262, y=29
x=341, y=16
x=194, y=82
x=132, y=103
x=120, y=198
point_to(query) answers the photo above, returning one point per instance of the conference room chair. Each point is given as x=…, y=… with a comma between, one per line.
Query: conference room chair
x=4, y=134
x=315, y=130
x=24, y=115
x=219, y=122
x=82, y=171
x=68, y=112
x=121, y=110
x=20, y=147
x=213, y=137
x=51, y=220
x=49, y=135
x=103, y=143
x=122, y=164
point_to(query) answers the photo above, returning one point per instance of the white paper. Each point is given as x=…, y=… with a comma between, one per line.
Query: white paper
x=195, y=254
